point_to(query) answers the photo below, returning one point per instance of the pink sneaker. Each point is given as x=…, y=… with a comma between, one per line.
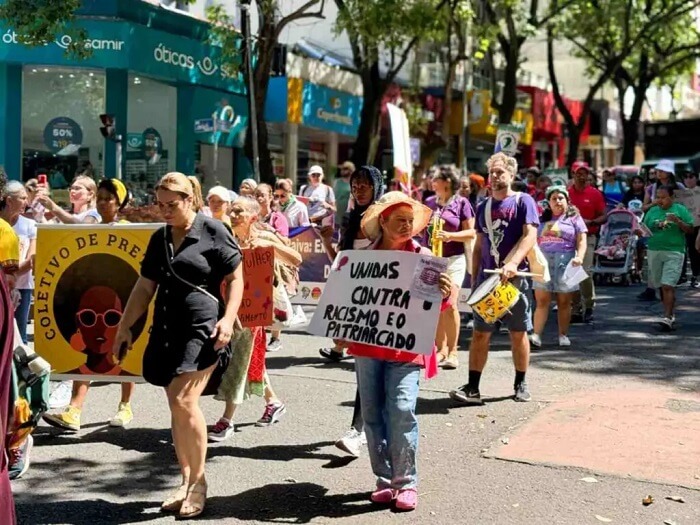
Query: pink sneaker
x=407, y=499
x=383, y=495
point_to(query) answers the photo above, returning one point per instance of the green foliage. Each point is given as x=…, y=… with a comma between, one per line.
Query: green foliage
x=224, y=35
x=40, y=22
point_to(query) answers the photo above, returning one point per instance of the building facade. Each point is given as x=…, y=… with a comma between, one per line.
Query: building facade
x=177, y=105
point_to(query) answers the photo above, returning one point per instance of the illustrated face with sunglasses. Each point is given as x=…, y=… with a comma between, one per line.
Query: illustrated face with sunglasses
x=97, y=319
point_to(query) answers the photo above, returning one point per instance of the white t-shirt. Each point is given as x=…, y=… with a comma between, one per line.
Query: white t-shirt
x=317, y=196
x=361, y=244
x=26, y=231
x=297, y=214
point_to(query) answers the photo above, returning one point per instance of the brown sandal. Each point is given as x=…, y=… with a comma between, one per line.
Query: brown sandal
x=174, y=502
x=194, y=502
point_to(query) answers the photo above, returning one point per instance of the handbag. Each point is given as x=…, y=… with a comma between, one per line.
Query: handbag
x=225, y=352
x=535, y=258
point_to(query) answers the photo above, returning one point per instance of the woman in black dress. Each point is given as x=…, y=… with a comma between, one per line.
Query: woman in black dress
x=186, y=261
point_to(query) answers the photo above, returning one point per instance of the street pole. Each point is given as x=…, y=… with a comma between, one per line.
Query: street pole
x=467, y=84
x=118, y=154
x=245, y=6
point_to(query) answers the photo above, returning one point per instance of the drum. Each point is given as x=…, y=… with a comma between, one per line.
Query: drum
x=493, y=299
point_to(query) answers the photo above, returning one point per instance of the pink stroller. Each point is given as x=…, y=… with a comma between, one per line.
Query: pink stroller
x=614, y=259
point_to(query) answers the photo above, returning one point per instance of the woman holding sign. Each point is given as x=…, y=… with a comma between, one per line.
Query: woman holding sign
x=246, y=373
x=388, y=379
x=186, y=262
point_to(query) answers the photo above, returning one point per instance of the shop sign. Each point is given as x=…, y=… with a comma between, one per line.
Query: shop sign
x=122, y=45
x=134, y=140
x=63, y=134
x=330, y=109
x=152, y=144
x=204, y=125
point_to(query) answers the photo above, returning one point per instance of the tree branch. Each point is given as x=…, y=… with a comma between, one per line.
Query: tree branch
x=301, y=13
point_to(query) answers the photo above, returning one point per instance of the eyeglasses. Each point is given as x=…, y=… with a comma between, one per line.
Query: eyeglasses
x=172, y=205
x=314, y=175
x=78, y=188
x=88, y=318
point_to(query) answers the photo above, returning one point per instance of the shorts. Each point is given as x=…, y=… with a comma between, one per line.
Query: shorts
x=664, y=268
x=557, y=265
x=519, y=319
x=457, y=269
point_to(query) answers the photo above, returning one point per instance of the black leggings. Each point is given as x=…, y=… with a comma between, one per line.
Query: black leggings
x=358, y=422
x=693, y=255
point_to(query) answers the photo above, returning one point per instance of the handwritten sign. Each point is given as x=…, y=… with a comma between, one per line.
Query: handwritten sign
x=368, y=300
x=258, y=276
x=690, y=198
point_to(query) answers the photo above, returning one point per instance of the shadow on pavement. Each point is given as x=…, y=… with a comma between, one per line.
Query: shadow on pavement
x=84, y=512
x=282, y=362
x=289, y=503
x=274, y=452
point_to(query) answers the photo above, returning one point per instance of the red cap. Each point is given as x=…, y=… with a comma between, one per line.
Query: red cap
x=580, y=165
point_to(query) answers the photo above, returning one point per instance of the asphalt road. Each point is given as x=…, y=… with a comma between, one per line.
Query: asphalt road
x=292, y=473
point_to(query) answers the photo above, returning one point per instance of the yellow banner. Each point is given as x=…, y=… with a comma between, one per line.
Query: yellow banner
x=84, y=275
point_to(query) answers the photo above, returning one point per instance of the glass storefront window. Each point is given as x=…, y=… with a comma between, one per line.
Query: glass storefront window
x=60, y=123
x=151, y=140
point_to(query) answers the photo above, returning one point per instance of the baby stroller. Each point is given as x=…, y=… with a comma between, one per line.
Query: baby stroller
x=614, y=258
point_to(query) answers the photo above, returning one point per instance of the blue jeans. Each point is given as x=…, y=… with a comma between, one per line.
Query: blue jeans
x=388, y=395
x=22, y=313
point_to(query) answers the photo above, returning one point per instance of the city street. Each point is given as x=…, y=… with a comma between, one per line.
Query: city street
x=624, y=391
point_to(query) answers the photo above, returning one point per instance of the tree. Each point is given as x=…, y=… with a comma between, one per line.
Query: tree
x=382, y=35
x=272, y=20
x=632, y=44
x=514, y=21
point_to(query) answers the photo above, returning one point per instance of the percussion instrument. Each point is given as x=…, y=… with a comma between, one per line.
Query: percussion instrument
x=493, y=299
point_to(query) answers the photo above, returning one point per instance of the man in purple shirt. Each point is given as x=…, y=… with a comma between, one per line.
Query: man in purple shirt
x=510, y=232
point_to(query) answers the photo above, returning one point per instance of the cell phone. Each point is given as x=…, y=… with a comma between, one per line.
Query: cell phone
x=42, y=179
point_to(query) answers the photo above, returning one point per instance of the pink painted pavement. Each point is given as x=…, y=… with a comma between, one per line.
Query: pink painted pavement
x=647, y=434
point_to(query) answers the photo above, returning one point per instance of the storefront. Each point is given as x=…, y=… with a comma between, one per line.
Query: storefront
x=176, y=105
x=483, y=126
x=309, y=124
x=602, y=148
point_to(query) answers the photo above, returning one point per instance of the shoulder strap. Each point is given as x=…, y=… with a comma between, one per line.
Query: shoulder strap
x=170, y=266
x=489, y=229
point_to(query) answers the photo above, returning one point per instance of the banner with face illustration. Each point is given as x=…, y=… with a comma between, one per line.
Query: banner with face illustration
x=83, y=277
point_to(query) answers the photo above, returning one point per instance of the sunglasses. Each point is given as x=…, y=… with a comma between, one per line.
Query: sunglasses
x=88, y=318
x=314, y=175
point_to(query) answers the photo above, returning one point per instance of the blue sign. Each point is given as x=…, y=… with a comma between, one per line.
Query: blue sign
x=330, y=109
x=63, y=135
x=134, y=140
x=204, y=125
x=152, y=144
x=123, y=45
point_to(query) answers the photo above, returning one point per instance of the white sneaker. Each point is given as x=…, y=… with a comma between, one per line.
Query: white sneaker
x=535, y=340
x=221, y=431
x=352, y=442
x=564, y=341
x=60, y=397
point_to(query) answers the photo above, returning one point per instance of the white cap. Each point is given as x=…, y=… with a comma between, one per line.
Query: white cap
x=315, y=169
x=220, y=192
x=665, y=165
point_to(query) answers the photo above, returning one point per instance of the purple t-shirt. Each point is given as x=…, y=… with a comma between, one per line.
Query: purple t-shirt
x=508, y=217
x=559, y=234
x=458, y=209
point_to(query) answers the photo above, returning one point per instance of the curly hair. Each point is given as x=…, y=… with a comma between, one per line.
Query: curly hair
x=509, y=162
x=448, y=173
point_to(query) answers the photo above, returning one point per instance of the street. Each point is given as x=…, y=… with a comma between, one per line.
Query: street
x=614, y=419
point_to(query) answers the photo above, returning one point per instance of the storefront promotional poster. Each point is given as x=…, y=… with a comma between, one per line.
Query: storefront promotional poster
x=63, y=136
x=315, y=264
x=84, y=275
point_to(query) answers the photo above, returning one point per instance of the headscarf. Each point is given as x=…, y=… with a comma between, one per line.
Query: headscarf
x=354, y=218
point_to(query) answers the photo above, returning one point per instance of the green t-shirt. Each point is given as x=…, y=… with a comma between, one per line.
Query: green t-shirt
x=667, y=236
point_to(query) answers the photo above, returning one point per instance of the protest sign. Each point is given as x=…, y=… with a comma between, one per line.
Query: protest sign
x=690, y=198
x=558, y=176
x=84, y=276
x=258, y=276
x=367, y=299
x=507, y=138
x=315, y=265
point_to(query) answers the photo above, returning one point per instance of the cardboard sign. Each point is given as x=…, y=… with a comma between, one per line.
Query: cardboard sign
x=258, y=276
x=368, y=299
x=315, y=265
x=690, y=198
x=84, y=276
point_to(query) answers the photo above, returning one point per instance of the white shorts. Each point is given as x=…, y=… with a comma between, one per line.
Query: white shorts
x=457, y=269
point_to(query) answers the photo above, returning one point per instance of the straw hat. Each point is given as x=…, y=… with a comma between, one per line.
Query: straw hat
x=370, y=219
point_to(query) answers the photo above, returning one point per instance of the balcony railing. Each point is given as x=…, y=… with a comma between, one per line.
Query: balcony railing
x=433, y=74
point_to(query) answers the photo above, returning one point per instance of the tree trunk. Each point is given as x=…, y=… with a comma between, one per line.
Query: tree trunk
x=574, y=143
x=364, y=149
x=510, y=86
x=630, y=125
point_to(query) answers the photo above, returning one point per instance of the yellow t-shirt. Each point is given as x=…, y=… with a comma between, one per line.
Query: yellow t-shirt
x=9, y=246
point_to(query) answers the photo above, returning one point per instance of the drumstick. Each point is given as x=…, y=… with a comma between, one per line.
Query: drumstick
x=517, y=274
